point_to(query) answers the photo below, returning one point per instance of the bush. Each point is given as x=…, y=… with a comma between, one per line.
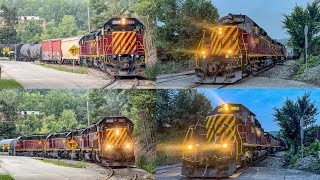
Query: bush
x=313, y=61
x=148, y=165
x=175, y=66
x=312, y=150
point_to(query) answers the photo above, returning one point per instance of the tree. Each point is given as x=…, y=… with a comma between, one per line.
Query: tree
x=67, y=27
x=29, y=33
x=295, y=22
x=8, y=33
x=289, y=115
x=183, y=25
x=8, y=113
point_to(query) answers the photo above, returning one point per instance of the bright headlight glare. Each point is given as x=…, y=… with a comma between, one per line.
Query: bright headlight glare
x=229, y=51
x=225, y=146
x=117, y=132
x=203, y=52
x=190, y=147
x=128, y=146
x=227, y=56
x=226, y=107
x=109, y=146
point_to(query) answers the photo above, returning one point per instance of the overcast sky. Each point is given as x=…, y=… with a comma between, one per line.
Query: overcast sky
x=260, y=101
x=266, y=13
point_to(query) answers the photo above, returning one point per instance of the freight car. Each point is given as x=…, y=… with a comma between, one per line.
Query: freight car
x=235, y=47
x=110, y=141
x=231, y=137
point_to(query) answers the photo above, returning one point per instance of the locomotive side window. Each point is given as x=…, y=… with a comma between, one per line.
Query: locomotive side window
x=139, y=29
x=108, y=30
x=248, y=27
x=241, y=26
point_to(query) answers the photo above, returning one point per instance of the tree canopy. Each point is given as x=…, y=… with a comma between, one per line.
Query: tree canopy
x=289, y=115
x=295, y=22
x=181, y=27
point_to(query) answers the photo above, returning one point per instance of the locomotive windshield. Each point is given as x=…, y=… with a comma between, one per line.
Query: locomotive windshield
x=123, y=28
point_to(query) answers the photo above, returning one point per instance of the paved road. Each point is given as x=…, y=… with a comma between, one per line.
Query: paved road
x=26, y=168
x=33, y=76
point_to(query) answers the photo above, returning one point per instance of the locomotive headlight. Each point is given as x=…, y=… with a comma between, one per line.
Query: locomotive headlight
x=123, y=21
x=203, y=52
x=137, y=56
x=229, y=51
x=220, y=32
x=114, y=56
x=190, y=147
x=220, y=29
x=225, y=146
x=226, y=107
x=227, y=56
x=108, y=146
x=117, y=132
x=128, y=146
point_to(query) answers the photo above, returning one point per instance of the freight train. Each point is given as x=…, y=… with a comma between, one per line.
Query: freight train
x=235, y=47
x=110, y=142
x=231, y=137
x=117, y=48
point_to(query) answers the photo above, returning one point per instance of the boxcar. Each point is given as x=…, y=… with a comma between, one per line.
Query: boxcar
x=66, y=45
x=51, y=51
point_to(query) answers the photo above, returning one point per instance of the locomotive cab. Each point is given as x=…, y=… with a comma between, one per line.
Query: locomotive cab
x=125, y=49
x=117, y=145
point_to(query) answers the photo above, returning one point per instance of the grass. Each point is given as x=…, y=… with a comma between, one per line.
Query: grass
x=313, y=61
x=148, y=165
x=6, y=177
x=10, y=84
x=79, y=164
x=82, y=70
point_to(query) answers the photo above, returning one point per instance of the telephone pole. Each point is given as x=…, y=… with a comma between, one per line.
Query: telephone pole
x=88, y=112
x=89, y=20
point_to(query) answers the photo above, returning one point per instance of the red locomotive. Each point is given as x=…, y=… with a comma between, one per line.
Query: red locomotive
x=119, y=45
x=230, y=137
x=235, y=47
x=110, y=142
x=117, y=48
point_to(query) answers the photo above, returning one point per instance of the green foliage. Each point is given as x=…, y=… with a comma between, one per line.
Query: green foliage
x=180, y=109
x=146, y=164
x=6, y=177
x=289, y=115
x=313, y=61
x=10, y=84
x=295, y=22
x=82, y=70
x=174, y=66
x=8, y=33
x=184, y=22
x=30, y=32
x=80, y=164
x=312, y=149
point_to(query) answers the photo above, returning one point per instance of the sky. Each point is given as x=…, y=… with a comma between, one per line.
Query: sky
x=260, y=101
x=267, y=14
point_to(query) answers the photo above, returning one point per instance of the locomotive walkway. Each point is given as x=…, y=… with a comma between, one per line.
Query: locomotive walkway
x=26, y=168
x=32, y=76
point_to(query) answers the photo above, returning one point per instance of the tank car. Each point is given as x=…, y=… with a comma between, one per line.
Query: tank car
x=8, y=145
x=235, y=47
x=230, y=137
x=35, y=52
x=118, y=47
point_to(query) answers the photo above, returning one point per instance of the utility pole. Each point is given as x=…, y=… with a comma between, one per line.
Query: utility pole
x=89, y=20
x=301, y=131
x=306, y=43
x=88, y=112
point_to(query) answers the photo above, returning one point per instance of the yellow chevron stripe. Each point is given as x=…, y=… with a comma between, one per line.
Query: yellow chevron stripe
x=228, y=34
x=121, y=136
x=124, y=138
x=133, y=43
x=225, y=47
x=212, y=131
x=210, y=126
x=208, y=121
x=214, y=49
x=115, y=138
x=108, y=133
x=233, y=48
x=115, y=36
x=128, y=42
x=119, y=41
x=224, y=122
x=111, y=137
x=230, y=127
x=124, y=43
x=230, y=136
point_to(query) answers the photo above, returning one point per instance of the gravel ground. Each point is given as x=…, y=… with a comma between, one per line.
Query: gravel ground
x=285, y=71
x=306, y=163
x=277, y=161
x=312, y=75
x=119, y=173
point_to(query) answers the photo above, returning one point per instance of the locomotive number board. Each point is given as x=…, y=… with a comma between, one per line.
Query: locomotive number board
x=229, y=108
x=116, y=22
